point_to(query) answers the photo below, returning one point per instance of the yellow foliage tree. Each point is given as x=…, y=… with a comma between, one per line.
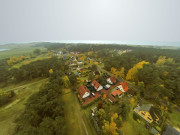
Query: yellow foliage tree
x=104, y=96
x=96, y=63
x=131, y=75
x=161, y=60
x=91, y=62
x=121, y=72
x=113, y=128
x=132, y=101
x=66, y=81
x=114, y=71
x=170, y=61
x=26, y=62
x=51, y=71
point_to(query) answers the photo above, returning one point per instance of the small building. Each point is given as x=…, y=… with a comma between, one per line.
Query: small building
x=123, y=86
x=116, y=92
x=147, y=112
x=96, y=85
x=170, y=131
x=111, y=80
x=79, y=62
x=107, y=86
x=83, y=91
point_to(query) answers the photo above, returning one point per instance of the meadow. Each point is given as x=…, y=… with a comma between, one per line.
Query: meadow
x=18, y=50
x=11, y=111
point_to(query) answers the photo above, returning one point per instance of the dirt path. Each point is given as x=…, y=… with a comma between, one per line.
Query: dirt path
x=84, y=130
x=25, y=85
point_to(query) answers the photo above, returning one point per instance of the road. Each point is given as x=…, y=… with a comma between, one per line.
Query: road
x=25, y=85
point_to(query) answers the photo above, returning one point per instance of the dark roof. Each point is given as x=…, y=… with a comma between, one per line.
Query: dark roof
x=170, y=131
x=145, y=107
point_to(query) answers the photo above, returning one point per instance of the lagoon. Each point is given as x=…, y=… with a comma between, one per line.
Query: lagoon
x=3, y=50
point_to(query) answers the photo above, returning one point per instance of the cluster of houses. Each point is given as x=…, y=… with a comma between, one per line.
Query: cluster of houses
x=120, y=88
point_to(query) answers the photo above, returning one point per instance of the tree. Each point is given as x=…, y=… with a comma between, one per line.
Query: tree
x=121, y=73
x=113, y=128
x=73, y=79
x=132, y=73
x=106, y=128
x=66, y=81
x=161, y=60
x=37, y=51
x=91, y=76
x=94, y=67
x=51, y=71
x=114, y=71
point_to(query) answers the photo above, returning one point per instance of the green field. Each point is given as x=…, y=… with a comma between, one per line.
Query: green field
x=175, y=119
x=76, y=118
x=10, y=111
x=18, y=50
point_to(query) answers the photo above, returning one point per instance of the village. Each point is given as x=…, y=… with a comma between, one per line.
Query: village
x=99, y=90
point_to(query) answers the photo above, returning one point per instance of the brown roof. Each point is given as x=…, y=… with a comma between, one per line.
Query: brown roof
x=113, y=79
x=112, y=98
x=116, y=92
x=82, y=90
x=95, y=84
x=124, y=85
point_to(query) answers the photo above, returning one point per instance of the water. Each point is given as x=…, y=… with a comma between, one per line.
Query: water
x=3, y=50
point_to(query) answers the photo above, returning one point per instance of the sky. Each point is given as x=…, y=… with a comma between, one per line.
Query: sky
x=105, y=20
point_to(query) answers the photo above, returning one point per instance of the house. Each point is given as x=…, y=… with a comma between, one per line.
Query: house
x=80, y=62
x=96, y=85
x=83, y=91
x=111, y=99
x=116, y=92
x=107, y=86
x=170, y=131
x=147, y=112
x=123, y=87
x=111, y=80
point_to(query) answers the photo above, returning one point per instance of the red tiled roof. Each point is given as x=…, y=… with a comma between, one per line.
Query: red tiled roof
x=82, y=90
x=113, y=79
x=124, y=85
x=112, y=98
x=116, y=92
x=95, y=84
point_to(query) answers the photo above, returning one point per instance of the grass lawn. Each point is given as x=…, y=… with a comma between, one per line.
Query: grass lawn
x=71, y=114
x=18, y=50
x=9, y=112
x=75, y=116
x=175, y=118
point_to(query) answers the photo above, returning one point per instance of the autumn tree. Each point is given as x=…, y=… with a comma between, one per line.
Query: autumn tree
x=66, y=81
x=161, y=60
x=114, y=71
x=51, y=71
x=121, y=72
x=132, y=73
